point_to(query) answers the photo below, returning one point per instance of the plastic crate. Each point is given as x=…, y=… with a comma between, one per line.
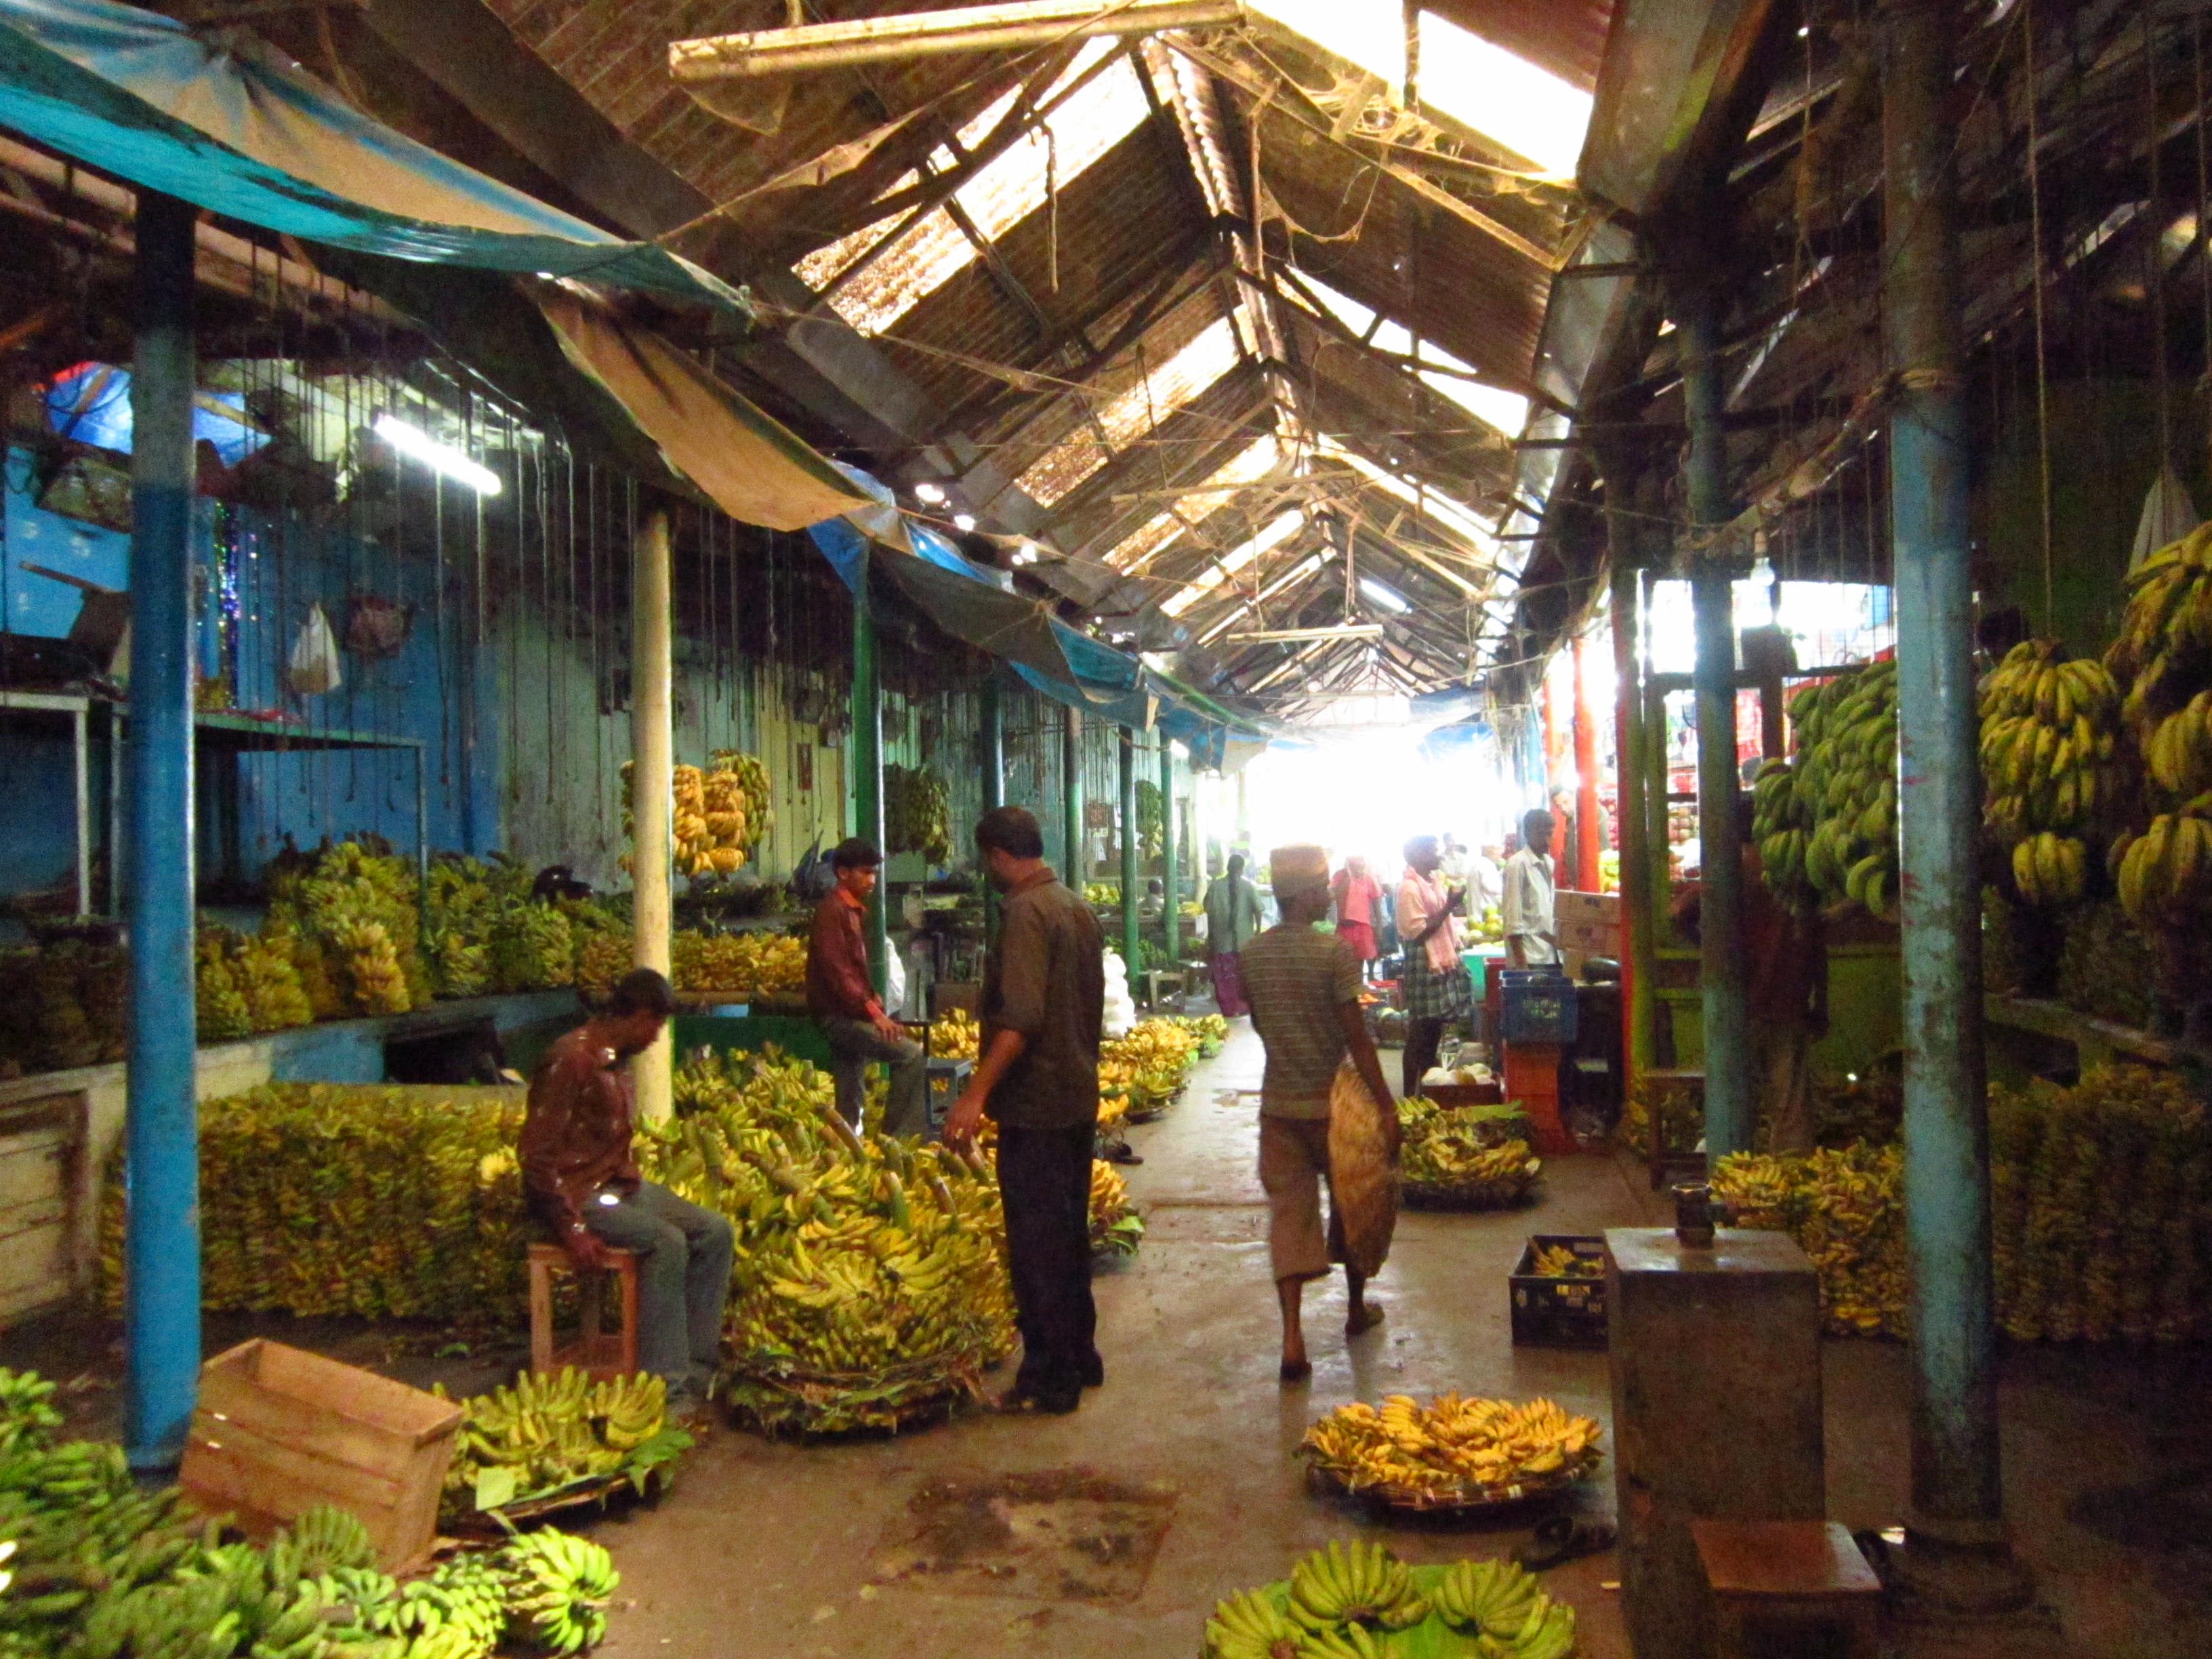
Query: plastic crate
x=1558, y=1313
x=1537, y=1005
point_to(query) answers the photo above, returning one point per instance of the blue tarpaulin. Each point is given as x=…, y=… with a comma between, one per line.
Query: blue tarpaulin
x=217, y=118
x=91, y=403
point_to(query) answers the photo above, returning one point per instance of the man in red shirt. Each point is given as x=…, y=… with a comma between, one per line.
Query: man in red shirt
x=841, y=994
x=583, y=1186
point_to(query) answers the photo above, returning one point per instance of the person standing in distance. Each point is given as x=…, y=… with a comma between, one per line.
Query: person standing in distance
x=1044, y=1005
x=1304, y=986
x=841, y=996
x=583, y=1186
x=1531, y=934
x=1435, y=980
x=1232, y=917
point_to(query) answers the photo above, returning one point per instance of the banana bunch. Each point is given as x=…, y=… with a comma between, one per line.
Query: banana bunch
x=63, y=1005
x=1152, y=1060
x=1845, y=1207
x=1782, y=824
x=2165, y=874
x=2049, y=732
x=262, y=966
x=1842, y=793
x=529, y=945
x=220, y=1013
x=1211, y=1030
x=917, y=813
x=459, y=1612
x=355, y=903
x=709, y=823
x=1499, y=1602
x=1454, y=1155
x=870, y=1285
x=1365, y=1584
x=761, y=965
x=557, y=1432
x=957, y=1035
x=1116, y=1226
x=371, y=1201
x=27, y=1417
x=562, y=1585
x=754, y=794
x=2166, y=636
x=603, y=956
x=1558, y=1262
x=1455, y=1450
x=457, y=919
x=1250, y=1625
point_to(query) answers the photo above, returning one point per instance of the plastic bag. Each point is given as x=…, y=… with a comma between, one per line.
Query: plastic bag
x=2167, y=515
x=314, y=665
x=1362, y=1177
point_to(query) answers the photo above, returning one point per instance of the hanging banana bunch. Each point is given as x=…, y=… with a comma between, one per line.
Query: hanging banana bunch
x=2050, y=728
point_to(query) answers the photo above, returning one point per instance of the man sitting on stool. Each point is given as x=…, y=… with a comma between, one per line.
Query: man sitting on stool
x=583, y=1185
x=841, y=997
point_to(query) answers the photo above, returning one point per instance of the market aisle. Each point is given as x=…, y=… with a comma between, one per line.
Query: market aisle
x=862, y=1549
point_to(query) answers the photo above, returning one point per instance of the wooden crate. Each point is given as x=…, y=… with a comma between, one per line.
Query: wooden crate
x=278, y=1430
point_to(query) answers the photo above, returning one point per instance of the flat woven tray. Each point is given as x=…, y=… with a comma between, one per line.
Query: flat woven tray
x=1469, y=1194
x=1470, y=1499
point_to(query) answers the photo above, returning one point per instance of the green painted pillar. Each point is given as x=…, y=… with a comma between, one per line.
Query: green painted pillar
x=1131, y=881
x=1071, y=796
x=868, y=760
x=1168, y=895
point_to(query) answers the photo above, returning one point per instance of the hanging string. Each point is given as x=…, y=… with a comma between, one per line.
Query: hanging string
x=2042, y=359
x=2155, y=245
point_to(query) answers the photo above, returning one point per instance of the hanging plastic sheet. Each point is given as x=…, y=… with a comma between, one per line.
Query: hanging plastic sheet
x=218, y=119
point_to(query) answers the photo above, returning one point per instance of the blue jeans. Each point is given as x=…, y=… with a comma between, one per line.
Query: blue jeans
x=682, y=1277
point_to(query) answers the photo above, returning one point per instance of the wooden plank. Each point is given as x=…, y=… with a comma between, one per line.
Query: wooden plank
x=228, y=1461
x=229, y=1401
x=30, y=1174
x=371, y=1399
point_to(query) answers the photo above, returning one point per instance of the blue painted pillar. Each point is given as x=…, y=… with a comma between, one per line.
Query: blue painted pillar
x=1729, y=1114
x=1071, y=796
x=162, y=1265
x=1955, y=1556
x=868, y=757
x=1131, y=881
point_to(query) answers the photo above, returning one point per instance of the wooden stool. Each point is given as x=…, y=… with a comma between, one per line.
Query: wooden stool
x=1769, y=1577
x=597, y=1354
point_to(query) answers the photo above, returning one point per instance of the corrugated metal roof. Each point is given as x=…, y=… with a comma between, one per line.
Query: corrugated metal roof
x=1565, y=38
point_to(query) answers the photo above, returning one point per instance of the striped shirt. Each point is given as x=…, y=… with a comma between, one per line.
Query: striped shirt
x=1297, y=979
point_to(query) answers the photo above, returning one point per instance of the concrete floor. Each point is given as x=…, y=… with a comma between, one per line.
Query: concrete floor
x=1178, y=1478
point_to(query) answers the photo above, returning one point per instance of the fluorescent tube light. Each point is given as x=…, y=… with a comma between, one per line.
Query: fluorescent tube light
x=410, y=440
x=1389, y=597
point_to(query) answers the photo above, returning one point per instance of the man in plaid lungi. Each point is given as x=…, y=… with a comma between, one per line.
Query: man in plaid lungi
x=1435, y=980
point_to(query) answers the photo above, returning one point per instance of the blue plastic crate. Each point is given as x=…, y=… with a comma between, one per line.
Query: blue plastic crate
x=1538, y=1006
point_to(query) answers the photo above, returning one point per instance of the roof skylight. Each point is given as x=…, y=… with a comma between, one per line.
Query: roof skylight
x=1255, y=461
x=1278, y=530
x=1506, y=410
x=1175, y=382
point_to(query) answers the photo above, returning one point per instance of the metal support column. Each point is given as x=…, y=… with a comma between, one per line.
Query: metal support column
x=1170, y=896
x=868, y=760
x=1071, y=796
x=653, y=783
x=1632, y=763
x=162, y=1265
x=1589, y=839
x=1132, y=933
x=994, y=776
x=1956, y=1556
x=1720, y=917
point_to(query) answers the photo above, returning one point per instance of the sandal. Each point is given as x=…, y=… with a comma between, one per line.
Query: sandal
x=1562, y=1539
x=1295, y=1370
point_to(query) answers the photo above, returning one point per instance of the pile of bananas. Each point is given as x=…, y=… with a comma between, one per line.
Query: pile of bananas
x=1846, y=1206
x=1459, y=1157
x=456, y=924
x=1560, y=1262
x=956, y=1035
x=529, y=944
x=1453, y=1450
x=870, y=1287
x=2165, y=874
x=1156, y=1056
x=1827, y=824
x=1212, y=1031
x=377, y=1200
x=351, y=909
x=2107, y=968
x=760, y=964
x=244, y=983
x=2049, y=732
x=716, y=813
x=219, y=1010
x=103, y=1569
x=917, y=813
x=62, y=1005
x=1362, y=1602
x=1116, y=1229
x=546, y=1434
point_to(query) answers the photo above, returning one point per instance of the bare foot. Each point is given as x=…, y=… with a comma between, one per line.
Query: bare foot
x=1362, y=1318
x=1295, y=1370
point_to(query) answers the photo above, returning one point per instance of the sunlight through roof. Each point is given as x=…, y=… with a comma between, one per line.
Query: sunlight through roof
x=1506, y=410
x=1278, y=531
x=1184, y=376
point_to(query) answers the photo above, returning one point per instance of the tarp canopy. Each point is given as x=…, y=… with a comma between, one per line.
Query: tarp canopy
x=216, y=117
x=749, y=463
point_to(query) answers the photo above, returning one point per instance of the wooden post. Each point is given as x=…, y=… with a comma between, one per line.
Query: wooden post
x=653, y=755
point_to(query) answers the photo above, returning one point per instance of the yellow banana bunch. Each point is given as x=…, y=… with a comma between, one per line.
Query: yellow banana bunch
x=1464, y=1157
x=556, y=1431
x=1148, y=1066
x=716, y=811
x=957, y=1035
x=1558, y=1262
x=1116, y=1226
x=761, y=965
x=2166, y=632
x=1455, y=1450
x=2165, y=874
x=2049, y=730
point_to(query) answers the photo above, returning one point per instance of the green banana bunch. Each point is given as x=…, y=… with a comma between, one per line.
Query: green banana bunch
x=1493, y=1598
x=27, y=1417
x=558, y=1430
x=1248, y=1625
x=1825, y=825
x=322, y=1539
x=1343, y=1642
x=917, y=813
x=561, y=1587
x=1364, y=1585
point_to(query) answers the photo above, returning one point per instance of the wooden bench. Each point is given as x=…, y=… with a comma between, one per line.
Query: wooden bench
x=599, y=1354
x=1774, y=1580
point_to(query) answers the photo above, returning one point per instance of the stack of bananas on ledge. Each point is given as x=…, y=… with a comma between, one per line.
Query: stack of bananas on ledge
x=1454, y=1450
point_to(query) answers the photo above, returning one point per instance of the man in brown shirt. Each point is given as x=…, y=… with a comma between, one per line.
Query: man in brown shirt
x=584, y=1187
x=841, y=994
x=1044, y=1003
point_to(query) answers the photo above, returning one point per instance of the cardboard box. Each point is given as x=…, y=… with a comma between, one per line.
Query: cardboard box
x=278, y=1430
x=1589, y=922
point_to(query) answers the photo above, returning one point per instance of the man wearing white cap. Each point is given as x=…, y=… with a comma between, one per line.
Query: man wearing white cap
x=1303, y=985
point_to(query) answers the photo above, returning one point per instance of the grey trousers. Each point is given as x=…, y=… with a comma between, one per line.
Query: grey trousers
x=682, y=1279
x=855, y=1044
